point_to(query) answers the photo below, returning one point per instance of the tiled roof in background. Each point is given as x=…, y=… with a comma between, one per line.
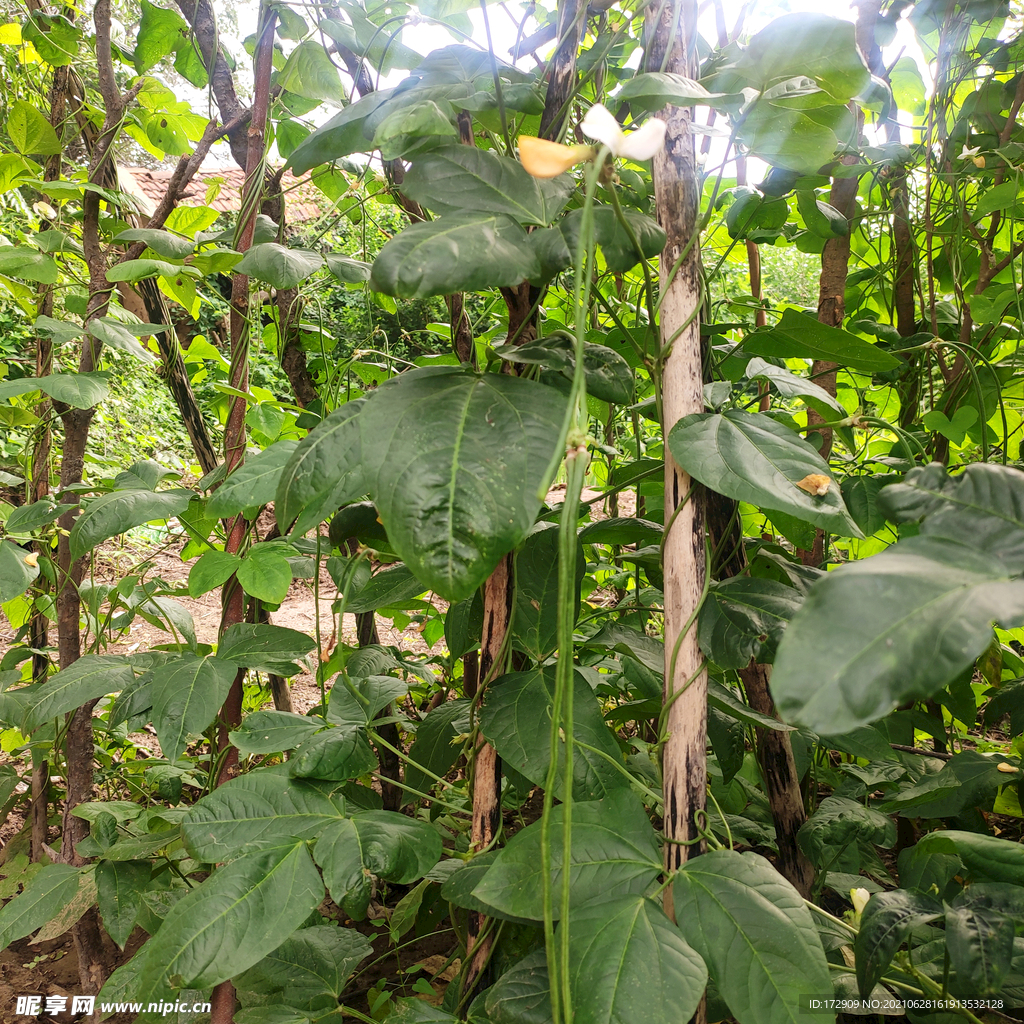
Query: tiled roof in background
x=303, y=203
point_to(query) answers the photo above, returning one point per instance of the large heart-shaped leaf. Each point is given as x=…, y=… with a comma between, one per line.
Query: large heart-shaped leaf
x=210, y=570
x=523, y=994
x=346, y=269
x=968, y=779
x=28, y=264
x=393, y=586
x=452, y=179
x=984, y=506
x=92, y=676
x=412, y=127
x=308, y=971
x=265, y=573
x=795, y=140
x=383, y=843
x=804, y=337
x=453, y=500
x=372, y=660
x=81, y=390
x=619, y=252
x=139, y=270
x=18, y=569
x=791, y=385
x=986, y=858
x=187, y=694
x=898, y=625
x=655, y=89
x=355, y=701
x=516, y=719
x=755, y=934
x=278, y=265
x=267, y=732
x=233, y=919
x=755, y=216
x=461, y=252
x=862, y=496
x=434, y=748
x=535, y=623
x=119, y=888
x=629, y=964
x=30, y=131
x=341, y=136
x=254, y=811
x=311, y=73
x=48, y=892
x=264, y=647
x=723, y=700
x=119, y=336
x=334, y=754
x=885, y=923
x=839, y=822
x=27, y=518
x=463, y=626
x=743, y=618
x=979, y=935
x=112, y=514
x=615, y=636
x=163, y=243
x=324, y=472
x=19, y=386
x=622, y=530
x=816, y=45
x=609, y=377
x=160, y=32
x=614, y=852
x=752, y=457
x=459, y=885
x=144, y=475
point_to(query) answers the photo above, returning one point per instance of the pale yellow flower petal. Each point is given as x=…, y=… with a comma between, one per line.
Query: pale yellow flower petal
x=645, y=141
x=544, y=159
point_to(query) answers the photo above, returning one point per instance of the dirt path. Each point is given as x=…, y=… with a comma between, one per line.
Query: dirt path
x=298, y=611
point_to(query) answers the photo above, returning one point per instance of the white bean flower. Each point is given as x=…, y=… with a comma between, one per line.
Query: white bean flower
x=859, y=898
x=642, y=144
x=971, y=153
x=544, y=159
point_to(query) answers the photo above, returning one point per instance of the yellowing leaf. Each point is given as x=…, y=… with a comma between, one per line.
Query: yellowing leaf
x=29, y=55
x=10, y=34
x=815, y=483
